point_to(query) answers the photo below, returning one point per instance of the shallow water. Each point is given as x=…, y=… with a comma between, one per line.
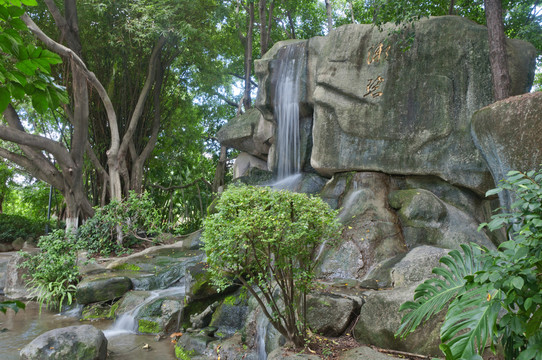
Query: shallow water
x=17, y=330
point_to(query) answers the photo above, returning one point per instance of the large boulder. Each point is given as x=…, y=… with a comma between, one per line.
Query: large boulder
x=330, y=314
x=248, y=132
x=244, y=162
x=380, y=318
x=508, y=135
x=371, y=233
x=102, y=287
x=16, y=278
x=380, y=108
x=83, y=342
x=416, y=266
x=427, y=220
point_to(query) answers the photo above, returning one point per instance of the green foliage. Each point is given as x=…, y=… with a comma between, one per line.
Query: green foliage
x=25, y=69
x=15, y=226
x=14, y=305
x=30, y=200
x=183, y=354
x=269, y=240
x=479, y=284
x=53, y=272
x=148, y=327
x=137, y=217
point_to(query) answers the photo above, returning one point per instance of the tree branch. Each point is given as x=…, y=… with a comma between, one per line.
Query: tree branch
x=255, y=84
x=91, y=77
x=52, y=177
x=15, y=133
x=226, y=100
x=136, y=115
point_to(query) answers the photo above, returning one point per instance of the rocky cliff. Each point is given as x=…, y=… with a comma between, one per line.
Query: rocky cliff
x=385, y=122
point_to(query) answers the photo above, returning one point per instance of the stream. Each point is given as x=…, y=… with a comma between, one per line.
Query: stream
x=17, y=330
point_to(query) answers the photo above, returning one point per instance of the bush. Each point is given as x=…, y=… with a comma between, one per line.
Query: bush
x=53, y=272
x=15, y=226
x=269, y=240
x=136, y=217
x=479, y=284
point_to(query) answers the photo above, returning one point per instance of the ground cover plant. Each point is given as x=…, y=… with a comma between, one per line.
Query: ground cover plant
x=136, y=220
x=53, y=273
x=478, y=284
x=269, y=240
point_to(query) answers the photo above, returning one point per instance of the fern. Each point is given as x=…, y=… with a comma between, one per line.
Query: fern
x=434, y=294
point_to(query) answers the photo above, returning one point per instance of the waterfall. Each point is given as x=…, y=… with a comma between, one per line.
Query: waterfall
x=127, y=322
x=261, y=334
x=286, y=107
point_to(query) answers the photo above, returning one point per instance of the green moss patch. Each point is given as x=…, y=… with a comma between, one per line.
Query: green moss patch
x=127, y=266
x=148, y=327
x=182, y=354
x=99, y=311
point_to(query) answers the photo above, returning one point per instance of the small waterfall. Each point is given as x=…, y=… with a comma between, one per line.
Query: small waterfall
x=287, y=111
x=73, y=311
x=127, y=322
x=261, y=334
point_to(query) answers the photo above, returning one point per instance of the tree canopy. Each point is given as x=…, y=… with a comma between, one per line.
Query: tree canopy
x=103, y=98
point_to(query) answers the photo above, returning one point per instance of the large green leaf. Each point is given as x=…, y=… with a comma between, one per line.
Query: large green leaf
x=470, y=322
x=40, y=101
x=434, y=294
x=27, y=67
x=4, y=98
x=15, y=305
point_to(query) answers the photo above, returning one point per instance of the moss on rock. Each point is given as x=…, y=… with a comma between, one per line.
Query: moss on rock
x=148, y=326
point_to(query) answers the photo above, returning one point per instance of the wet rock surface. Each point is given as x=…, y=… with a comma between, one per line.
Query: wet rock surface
x=83, y=342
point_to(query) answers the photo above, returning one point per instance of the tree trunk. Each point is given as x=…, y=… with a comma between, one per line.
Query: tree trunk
x=291, y=25
x=137, y=166
x=329, y=16
x=451, y=9
x=266, y=21
x=247, y=96
x=220, y=172
x=497, y=49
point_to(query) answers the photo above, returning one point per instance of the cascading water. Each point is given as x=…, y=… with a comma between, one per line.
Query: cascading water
x=261, y=333
x=286, y=107
x=127, y=323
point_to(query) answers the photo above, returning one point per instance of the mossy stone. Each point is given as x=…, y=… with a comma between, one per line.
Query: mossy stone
x=148, y=327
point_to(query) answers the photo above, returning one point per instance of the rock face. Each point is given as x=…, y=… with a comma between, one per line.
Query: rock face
x=14, y=286
x=427, y=220
x=391, y=126
x=508, y=135
x=330, y=315
x=372, y=115
x=248, y=132
x=74, y=342
x=244, y=162
x=363, y=198
x=102, y=288
x=380, y=318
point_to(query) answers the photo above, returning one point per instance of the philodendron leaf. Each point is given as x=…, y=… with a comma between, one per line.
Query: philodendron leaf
x=470, y=321
x=434, y=294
